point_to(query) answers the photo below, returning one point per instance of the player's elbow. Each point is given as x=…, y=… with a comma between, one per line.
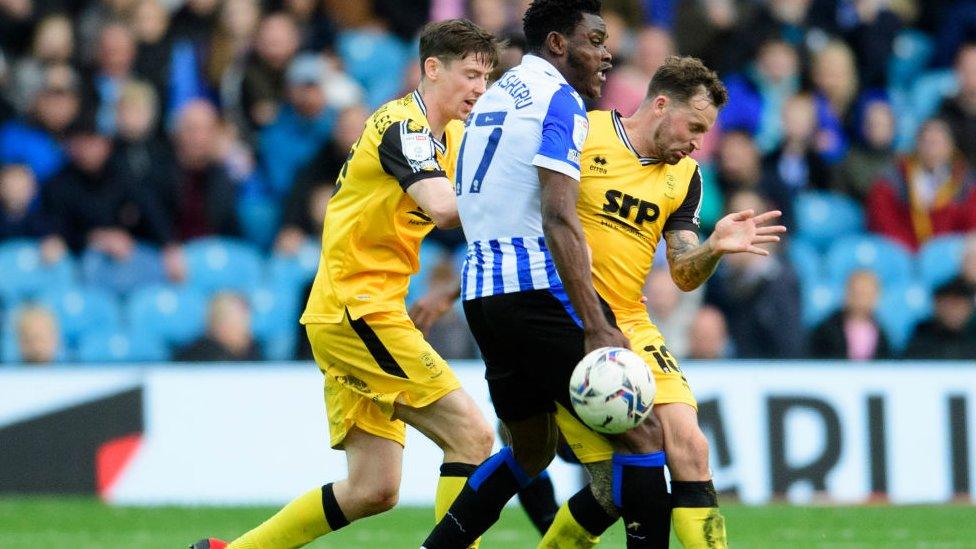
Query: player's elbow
x=683, y=283
x=446, y=218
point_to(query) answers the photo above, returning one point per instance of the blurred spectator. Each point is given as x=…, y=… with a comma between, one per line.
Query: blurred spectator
x=704, y=29
x=317, y=29
x=232, y=38
x=150, y=26
x=670, y=309
x=307, y=200
x=141, y=157
x=757, y=94
x=202, y=197
x=195, y=22
x=53, y=44
x=228, y=338
x=38, y=335
x=36, y=141
x=627, y=85
x=835, y=79
x=301, y=127
x=738, y=163
x=960, y=111
x=760, y=297
x=92, y=206
x=853, y=332
x=510, y=55
x=949, y=333
x=929, y=192
x=795, y=166
x=263, y=86
x=872, y=152
x=112, y=70
x=870, y=27
x=957, y=25
x=708, y=335
x=21, y=215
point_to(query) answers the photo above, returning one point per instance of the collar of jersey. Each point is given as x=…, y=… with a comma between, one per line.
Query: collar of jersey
x=537, y=63
x=618, y=125
x=419, y=100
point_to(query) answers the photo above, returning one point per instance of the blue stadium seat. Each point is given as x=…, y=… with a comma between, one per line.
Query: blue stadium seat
x=940, y=259
x=295, y=271
x=273, y=310
x=82, y=310
x=142, y=268
x=121, y=346
x=25, y=275
x=889, y=261
x=823, y=217
x=900, y=309
x=806, y=261
x=819, y=301
x=177, y=315
x=217, y=263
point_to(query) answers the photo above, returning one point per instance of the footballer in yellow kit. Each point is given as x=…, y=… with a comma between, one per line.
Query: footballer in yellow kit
x=626, y=202
x=362, y=339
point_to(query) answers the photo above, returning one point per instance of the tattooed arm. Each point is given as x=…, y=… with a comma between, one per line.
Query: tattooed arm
x=692, y=263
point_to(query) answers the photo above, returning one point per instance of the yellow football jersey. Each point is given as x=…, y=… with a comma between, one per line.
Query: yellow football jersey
x=373, y=228
x=626, y=203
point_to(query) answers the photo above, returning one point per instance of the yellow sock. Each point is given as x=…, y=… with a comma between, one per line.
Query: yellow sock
x=297, y=524
x=699, y=527
x=567, y=533
x=453, y=478
x=695, y=517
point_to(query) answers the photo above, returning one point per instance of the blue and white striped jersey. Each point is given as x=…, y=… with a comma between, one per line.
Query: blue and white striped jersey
x=529, y=118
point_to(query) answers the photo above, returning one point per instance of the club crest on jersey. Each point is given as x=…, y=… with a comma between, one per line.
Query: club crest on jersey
x=580, y=127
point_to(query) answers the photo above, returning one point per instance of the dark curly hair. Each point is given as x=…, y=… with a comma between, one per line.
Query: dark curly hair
x=682, y=77
x=562, y=16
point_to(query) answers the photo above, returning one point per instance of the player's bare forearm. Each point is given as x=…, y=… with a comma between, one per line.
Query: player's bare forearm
x=691, y=262
x=567, y=244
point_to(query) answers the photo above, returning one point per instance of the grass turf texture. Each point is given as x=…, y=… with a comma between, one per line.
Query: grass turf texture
x=82, y=523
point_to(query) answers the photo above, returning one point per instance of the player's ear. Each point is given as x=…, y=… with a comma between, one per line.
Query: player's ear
x=661, y=103
x=432, y=68
x=556, y=43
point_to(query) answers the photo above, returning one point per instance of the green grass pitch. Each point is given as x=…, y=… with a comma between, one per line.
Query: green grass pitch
x=83, y=523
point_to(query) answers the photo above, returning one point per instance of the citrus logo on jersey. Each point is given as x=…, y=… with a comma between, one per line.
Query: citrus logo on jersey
x=623, y=204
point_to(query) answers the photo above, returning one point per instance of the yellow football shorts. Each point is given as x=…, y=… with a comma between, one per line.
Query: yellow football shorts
x=371, y=363
x=646, y=340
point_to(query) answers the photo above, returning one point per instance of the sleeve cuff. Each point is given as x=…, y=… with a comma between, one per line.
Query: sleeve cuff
x=419, y=176
x=680, y=225
x=560, y=166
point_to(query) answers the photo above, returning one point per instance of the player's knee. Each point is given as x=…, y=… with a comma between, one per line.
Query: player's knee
x=692, y=454
x=378, y=498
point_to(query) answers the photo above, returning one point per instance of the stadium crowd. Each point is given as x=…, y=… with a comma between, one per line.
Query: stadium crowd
x=165, y=167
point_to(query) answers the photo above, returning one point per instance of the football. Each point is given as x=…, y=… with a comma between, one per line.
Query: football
x=612, y=390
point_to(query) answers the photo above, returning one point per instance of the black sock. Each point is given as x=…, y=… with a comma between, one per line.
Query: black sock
x=333, y=514
x=693, y=494
x=589, y=513
x=538, y=499
x=641, y=493
x=480, y=502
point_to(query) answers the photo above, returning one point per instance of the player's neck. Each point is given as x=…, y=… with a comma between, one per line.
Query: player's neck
x=435, y=119
x=641, y=144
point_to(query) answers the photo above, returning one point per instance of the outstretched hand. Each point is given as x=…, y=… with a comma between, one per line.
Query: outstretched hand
x=743, y=231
